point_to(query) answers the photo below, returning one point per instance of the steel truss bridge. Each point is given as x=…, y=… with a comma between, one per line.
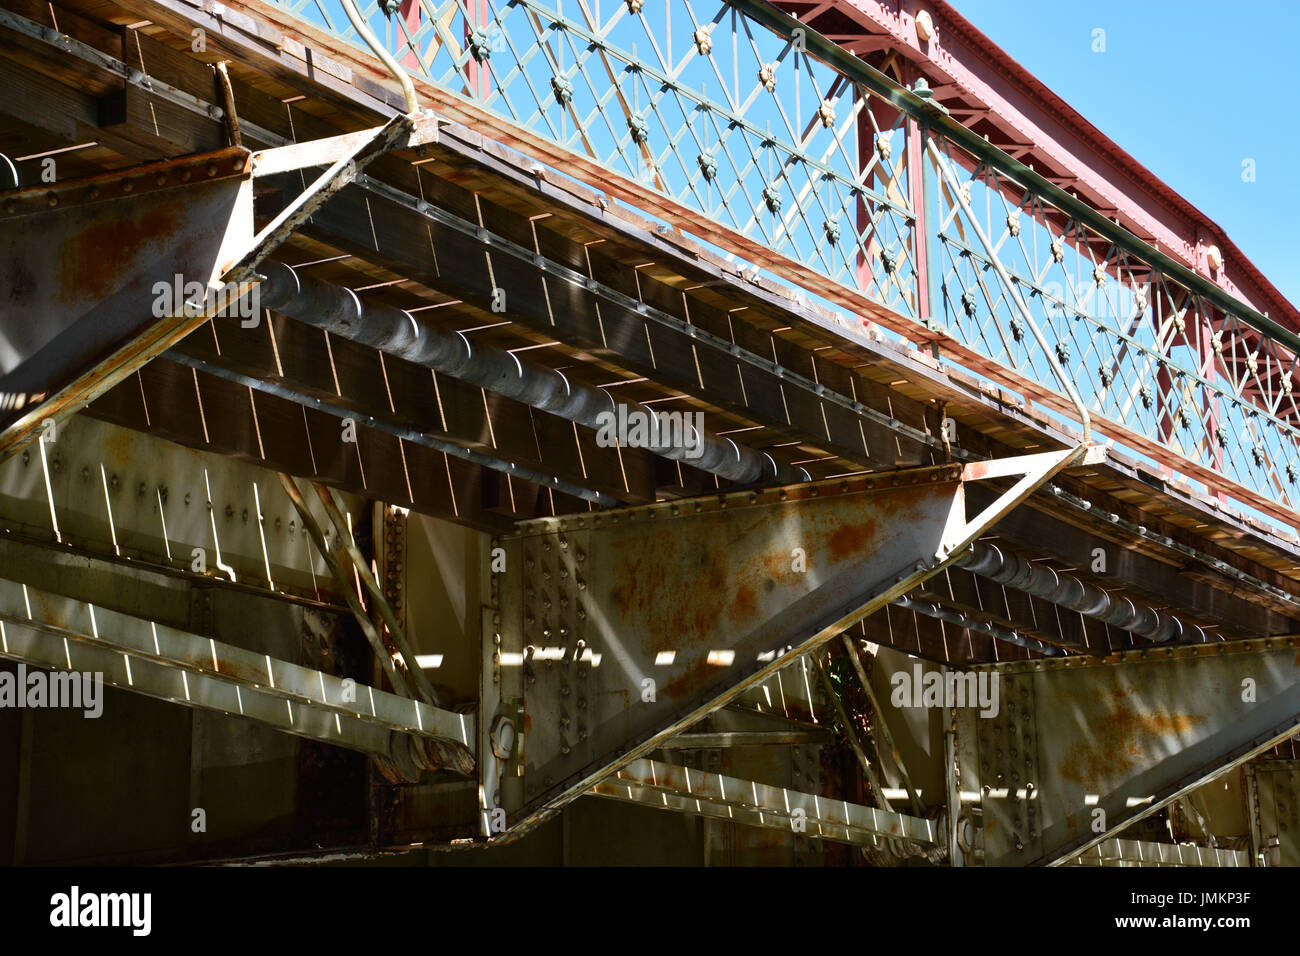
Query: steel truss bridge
x=976, y=544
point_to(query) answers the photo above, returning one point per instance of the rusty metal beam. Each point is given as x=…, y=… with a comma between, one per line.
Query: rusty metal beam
x=181, y=234
x=706, y=740
x=1117, y=852
x=619, y=630
x=97, y=259
x=670, y=787
x=1080, y=749
x=159, y=661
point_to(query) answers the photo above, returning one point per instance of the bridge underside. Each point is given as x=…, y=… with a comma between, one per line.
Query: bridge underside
x=361, y=570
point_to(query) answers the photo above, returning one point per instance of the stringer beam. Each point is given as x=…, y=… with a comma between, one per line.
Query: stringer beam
x=405, y=736
x=667, y=786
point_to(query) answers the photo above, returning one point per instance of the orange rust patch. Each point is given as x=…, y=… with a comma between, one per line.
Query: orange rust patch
x=775, y=565
x=1119, y=741
x=852, y=539
x=693, y=678
x=743, y=604
x=86, y=257
x=679, y=590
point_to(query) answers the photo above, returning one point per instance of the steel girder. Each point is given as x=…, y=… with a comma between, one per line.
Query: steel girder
x=615, y=631
x=118, y=493
x=1117, y=852
x=87, y=258
x=1081, y=748
x=670, y=787
x=84, y=257
x=141, y=656
x=1273, y=792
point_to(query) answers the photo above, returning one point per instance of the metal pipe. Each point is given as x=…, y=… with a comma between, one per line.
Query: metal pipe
x=1015, y=571
x=395, y=332
x=358, y=24
x=995, y=631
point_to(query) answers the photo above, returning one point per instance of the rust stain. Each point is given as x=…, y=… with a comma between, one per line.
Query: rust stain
x=698, y=592
x=680, y=590
x=1119, y=740
x=743, y=603
x=693, y=678
x=775, y=565
x=92, y=260
x=852, y=539
x=118, y=448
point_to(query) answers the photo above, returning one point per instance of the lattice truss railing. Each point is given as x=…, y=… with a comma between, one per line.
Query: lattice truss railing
x=1143, y=351
x=697, y=101
x=761, y=130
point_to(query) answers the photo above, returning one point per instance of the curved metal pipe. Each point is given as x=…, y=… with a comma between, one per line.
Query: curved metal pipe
x=358, y=24
x=12, y=170
x=395, y=332
x=1015, y=571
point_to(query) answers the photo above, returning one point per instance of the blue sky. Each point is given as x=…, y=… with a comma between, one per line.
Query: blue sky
x=1190, y=89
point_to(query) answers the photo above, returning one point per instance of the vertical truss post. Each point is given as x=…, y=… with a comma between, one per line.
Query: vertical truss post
x=920, y=189
x=851, y=735
x=952, y=785
x=1209, y=365
x=881, y=725
x=932, y=276
x=409, y=14
x=478, y=73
